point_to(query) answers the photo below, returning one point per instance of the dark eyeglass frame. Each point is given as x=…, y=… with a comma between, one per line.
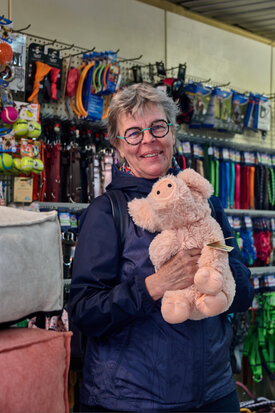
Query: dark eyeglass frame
x=150, y=129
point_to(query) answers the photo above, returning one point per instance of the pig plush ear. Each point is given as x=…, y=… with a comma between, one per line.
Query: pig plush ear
x=142, y=214
x=196, y=182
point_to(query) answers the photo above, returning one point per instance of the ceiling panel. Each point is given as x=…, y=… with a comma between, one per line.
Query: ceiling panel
x=257, y=17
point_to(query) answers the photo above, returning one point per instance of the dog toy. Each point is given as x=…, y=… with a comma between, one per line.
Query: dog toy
x=178, y=208
x=9, y=114
x=20, y=127
x=34, y=130
x=6, y=53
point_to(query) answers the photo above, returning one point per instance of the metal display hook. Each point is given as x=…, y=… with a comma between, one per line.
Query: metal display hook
x=130, y=60
x=50, y=43
x=224, y=84
x=82, y=52
x=67, y=48
x=22, y=30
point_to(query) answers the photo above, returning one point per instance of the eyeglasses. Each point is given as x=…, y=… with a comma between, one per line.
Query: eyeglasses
x=158, y=129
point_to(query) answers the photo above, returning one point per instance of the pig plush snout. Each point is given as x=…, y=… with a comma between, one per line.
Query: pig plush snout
x=164, y=189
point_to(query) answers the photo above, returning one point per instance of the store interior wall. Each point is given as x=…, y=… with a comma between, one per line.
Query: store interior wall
x=136, y=29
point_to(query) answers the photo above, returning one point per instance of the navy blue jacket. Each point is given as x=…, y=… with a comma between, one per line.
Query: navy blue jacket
x=134, y=360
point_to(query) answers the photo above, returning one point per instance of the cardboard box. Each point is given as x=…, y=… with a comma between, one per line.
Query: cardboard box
x=22, y=191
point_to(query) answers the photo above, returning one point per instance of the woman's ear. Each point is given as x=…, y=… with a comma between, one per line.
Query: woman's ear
x=173, y=131
x=119, y=148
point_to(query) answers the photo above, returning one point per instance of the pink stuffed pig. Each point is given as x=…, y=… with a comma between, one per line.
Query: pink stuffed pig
x=178, y=208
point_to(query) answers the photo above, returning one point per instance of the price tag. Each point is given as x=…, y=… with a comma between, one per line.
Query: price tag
x=225, y=154
x=252, y=158
x=216, y=153
x=270, y=281
x=197, y=150
x=186, y=146
x=237, y=223
x=248, y=222
x=22, y=191
x=73, y=221
x=219, y=245
x=211, y=152
x=231, y=221
x=237, y=156
x=65, y=219
x=232, y=155
x=247, y=158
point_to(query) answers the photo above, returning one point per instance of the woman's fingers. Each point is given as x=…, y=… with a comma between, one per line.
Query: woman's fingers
x=175, y=274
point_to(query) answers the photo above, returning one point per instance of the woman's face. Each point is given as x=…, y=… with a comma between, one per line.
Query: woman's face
x=152, y=157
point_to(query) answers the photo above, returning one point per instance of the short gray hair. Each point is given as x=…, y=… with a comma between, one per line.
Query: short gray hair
x=132, y=100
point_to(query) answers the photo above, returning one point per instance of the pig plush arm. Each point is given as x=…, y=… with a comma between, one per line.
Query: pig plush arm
x=164, y=246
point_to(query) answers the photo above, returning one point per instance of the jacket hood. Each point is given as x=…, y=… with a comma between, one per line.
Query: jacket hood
x=130, y=183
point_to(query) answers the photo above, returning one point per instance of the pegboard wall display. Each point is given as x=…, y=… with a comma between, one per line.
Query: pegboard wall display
x=136, y=70
x=71, y=162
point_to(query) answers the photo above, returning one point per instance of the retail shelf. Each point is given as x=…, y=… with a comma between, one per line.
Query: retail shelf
x=250, y=212
x=66, y=205
x=228, y=211
x=262, y=270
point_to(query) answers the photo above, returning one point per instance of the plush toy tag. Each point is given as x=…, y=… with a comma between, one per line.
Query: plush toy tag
x=218, y=245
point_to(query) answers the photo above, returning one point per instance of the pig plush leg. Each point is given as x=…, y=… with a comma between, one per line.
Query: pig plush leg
x=211, y=305
x=208, y=281
x=175, y=307
x=212, y=265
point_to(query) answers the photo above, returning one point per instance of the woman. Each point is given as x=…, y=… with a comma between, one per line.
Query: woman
x=134, y=360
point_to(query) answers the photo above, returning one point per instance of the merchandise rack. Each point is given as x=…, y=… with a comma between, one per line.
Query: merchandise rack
x=228, y=211
x=262, y=270
x=250, y=212
x=237, y=212
x=74, y=206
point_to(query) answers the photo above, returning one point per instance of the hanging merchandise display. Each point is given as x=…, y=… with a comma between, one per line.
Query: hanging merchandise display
x=218, y=111
x=71, y=88
x=262, y=114
x=198, y=158
x=62, y=155
x=224, y=177
x=78, y=155
x=53, y=78
x=259, y=345
x=44, y=73
x=240, y=325
x=105, y=82
x=261, y=186
x=256, y=116
x=248, y=249
x=203, y=106
x=238, y=111
x=262, y=240
x=36, y=71
x=16, y=147
x=200, y=97
x=93, y=84
x=241, y=179
x=8, y=112
x=18, y=62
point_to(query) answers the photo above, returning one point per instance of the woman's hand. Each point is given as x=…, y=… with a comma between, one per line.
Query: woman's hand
x=175, y=274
